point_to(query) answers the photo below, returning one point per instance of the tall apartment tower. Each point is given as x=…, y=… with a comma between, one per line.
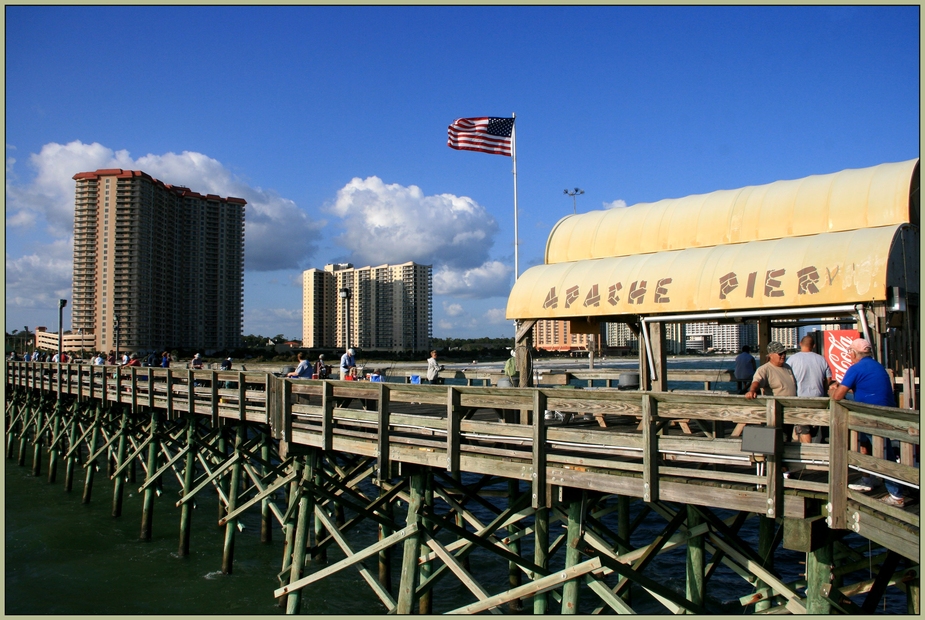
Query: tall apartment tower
x=390, y=307
x=165, y=261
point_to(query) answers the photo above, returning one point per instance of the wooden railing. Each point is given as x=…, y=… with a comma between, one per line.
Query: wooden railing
x=682, y=447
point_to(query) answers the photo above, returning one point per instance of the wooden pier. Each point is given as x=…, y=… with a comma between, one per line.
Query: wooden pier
x=443, y=476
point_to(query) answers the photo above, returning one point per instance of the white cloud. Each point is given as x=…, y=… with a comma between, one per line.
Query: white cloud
x=495, y=316
x=453, y=309
x=492, y=279
x=396, y=224
x=278, y=234
x=616, y=204
x=39, y=280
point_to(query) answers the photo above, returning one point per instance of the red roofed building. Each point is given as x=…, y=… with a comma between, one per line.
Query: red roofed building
x=165, y=261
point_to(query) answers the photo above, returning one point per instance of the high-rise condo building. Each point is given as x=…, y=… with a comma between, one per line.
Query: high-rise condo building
x=160, y=265
x=386, y=308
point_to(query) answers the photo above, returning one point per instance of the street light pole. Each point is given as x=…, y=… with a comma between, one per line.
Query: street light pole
x=576, y=192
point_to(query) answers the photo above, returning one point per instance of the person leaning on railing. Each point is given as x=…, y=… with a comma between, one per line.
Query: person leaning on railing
x=871, y=385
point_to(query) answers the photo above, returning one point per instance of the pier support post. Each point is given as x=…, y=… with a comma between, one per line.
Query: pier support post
x=695, y=560
x=266, y=517
x=426, y=602
x=53, y=449
x=91, y=465
x=385, y=556
x=37, y=441
x=572, y=556
x=186, y=511
x=322, y=554
x=818, y=574
x=766, y=526
x=289, y=527
x=232, y=524
x=513, y=570
x=147, y=510
x=300, y=541
x=222, y=486
x=541, y=556
x=412, y=552
x=73, y=450
x=118, y=486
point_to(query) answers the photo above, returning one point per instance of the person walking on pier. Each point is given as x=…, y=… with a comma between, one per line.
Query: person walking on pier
x=813, y=376
x=745, y=368
x=165, y=360
x=871, y=385
x=347, y=364
x=196, y=363
x=433, y=369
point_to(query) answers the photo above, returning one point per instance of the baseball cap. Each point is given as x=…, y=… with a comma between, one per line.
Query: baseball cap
x=860, y=345
x=775, y=347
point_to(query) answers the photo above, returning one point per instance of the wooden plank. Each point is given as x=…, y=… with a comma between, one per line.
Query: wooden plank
x=397, y=537
x=774, y=463
x=457, y=569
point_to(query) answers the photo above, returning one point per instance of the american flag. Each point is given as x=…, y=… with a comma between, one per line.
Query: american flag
x=483, y=134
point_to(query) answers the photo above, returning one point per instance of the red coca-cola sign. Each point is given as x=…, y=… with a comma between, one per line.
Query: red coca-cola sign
x=837, y=343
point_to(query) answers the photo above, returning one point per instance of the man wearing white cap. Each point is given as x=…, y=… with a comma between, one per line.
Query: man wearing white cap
x=347, y=363
x=871, y=385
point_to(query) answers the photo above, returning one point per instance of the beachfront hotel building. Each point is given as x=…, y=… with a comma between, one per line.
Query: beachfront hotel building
x=385, y=308
x=163, y=260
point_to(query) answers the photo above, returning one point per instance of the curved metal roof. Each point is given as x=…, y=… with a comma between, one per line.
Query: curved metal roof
x=813, y=270
x=882, y=195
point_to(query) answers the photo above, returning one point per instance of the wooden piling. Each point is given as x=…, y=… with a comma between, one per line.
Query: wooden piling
x=541, y=556
x=385, y=555
x=266, y=517
x=301, y=538
x=73, y=453
x=90, y=465
x=37, y=442
x=572, y=556
x=118, y=486
x=513, y=570
x=818, y=577
x=695, y=560
x=186, y=510
x=232, y=525
x=53, y=447
x=408, y=582
x=426, y=600
x=766, y=527
x=147, y=510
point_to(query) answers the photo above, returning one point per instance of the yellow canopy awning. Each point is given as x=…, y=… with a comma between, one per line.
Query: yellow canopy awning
x=881, y=195
x=823, y=269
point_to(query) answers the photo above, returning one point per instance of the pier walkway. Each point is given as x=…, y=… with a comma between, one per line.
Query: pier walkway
x=444, y=474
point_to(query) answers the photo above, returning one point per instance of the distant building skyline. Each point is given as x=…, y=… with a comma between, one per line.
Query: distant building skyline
x=390, y=307
x=163, y=260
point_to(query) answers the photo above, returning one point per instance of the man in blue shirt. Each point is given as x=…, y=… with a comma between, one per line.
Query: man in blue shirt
x=871, y=385
x=347, y=363
x=303, y=370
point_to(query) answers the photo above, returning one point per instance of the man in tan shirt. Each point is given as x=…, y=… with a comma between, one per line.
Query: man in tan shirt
x=775, y=376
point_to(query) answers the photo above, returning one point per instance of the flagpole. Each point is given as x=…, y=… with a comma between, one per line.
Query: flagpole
x=514, y=159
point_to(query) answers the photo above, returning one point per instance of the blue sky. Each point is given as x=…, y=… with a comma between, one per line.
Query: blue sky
x=331, y=122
